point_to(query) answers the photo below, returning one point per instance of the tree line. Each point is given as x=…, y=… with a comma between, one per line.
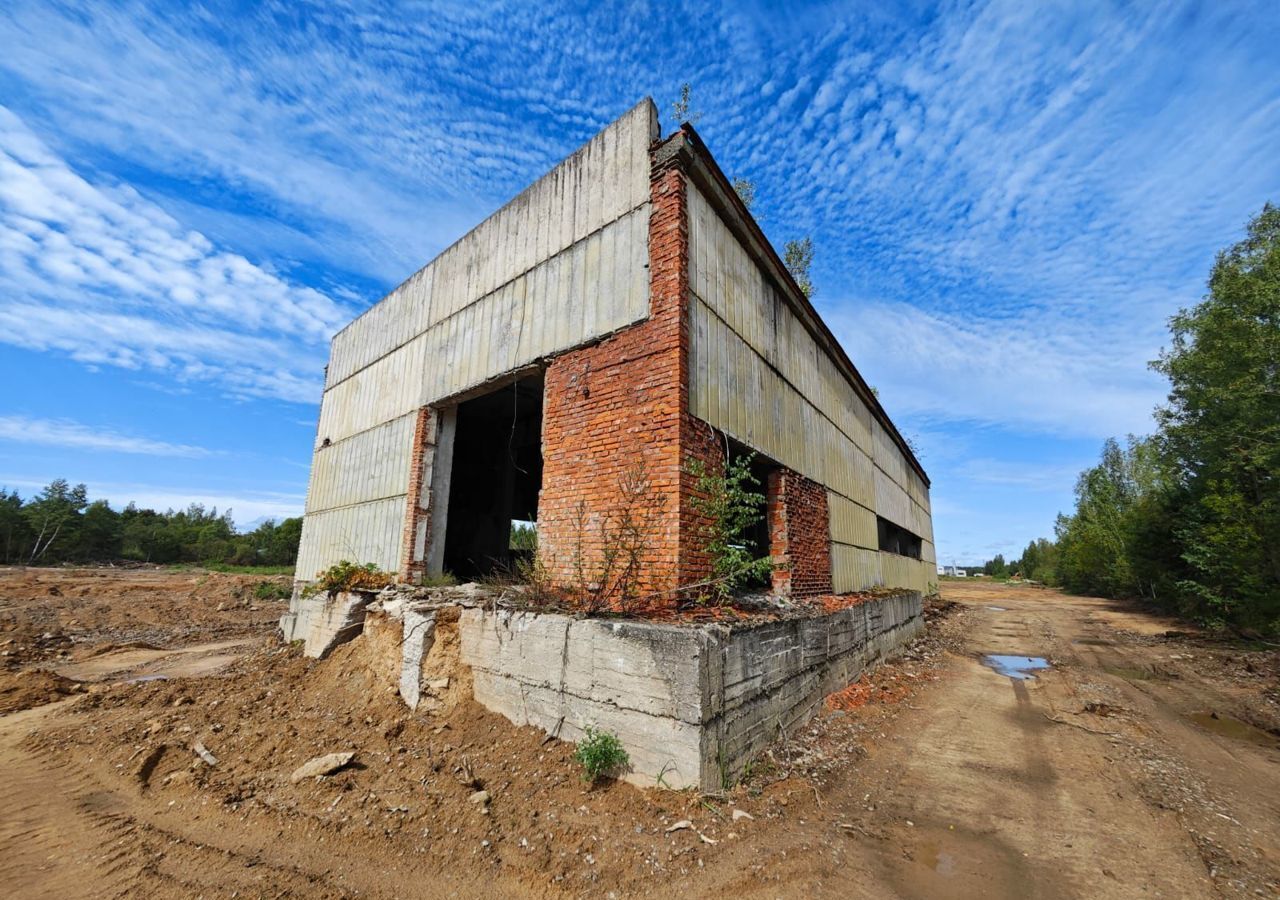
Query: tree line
x=59, y=525
x=1189, y=517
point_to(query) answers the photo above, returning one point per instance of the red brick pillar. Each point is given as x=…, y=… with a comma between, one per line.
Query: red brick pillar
x=799, y=534
x=417, y=517
x=614, y=408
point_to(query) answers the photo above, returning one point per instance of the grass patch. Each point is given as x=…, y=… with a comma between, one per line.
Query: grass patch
x=227, y=569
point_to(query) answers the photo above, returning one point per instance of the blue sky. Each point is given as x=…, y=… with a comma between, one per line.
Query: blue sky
x=1007, y=201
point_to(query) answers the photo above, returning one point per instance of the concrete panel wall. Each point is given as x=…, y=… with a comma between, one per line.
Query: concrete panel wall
x=561, y=265
x=757, y=373
x=368, y=532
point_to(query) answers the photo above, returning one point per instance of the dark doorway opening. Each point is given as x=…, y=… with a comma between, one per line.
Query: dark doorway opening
x=495, y=477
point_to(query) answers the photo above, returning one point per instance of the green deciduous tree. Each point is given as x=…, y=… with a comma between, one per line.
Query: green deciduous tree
x=798, y=258
x=1190, y=518
x=1221, y=427
x=58, y=525
x=53, y=517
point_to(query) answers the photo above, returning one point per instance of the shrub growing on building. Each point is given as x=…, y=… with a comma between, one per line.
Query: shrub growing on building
x=346, y=576
x=730, y=509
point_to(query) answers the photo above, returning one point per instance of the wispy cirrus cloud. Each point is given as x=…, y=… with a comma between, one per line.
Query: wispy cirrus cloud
x=67, y=434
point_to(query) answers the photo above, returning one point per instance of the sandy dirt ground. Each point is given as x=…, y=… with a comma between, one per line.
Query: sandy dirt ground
x=1142, y=761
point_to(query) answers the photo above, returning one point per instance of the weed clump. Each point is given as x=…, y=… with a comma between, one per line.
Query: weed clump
x=600, y=754
x=346, y=576
x=272, y=590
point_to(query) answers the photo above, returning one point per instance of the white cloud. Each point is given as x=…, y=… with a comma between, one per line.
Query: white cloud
x=75, y=435
x=1020, y=373
x=105, y=276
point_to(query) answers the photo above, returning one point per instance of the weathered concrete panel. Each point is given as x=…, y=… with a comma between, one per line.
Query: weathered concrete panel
x=757, y=373
x=561, y=265
x=692, y=704
x=366, y=532
x=371, y=465
x=598, y=184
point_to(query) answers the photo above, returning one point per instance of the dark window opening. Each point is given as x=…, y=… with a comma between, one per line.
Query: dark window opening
x=896, y=539
x=495, y=478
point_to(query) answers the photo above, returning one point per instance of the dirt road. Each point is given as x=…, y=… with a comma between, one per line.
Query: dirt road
x=1104, y=775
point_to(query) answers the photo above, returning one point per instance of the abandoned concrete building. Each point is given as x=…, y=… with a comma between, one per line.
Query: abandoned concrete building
x=625, y=310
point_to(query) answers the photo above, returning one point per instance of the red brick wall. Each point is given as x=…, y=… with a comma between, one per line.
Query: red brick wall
x=412, y=566
x=799, y=534
x=623, y=402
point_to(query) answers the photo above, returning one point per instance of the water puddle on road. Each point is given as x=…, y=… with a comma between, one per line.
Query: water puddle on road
x=1133, y=673
x=944, y=863
x=1019, y=667
x=1233, y=728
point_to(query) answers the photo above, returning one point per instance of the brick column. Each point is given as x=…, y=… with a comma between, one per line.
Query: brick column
x=799, y=534
x=625, y=401
x=417, y=517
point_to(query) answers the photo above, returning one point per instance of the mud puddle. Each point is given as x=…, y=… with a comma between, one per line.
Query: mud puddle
x=1234, y=728
x=1092, y=642
x=1019, y=667
x=1134, y=673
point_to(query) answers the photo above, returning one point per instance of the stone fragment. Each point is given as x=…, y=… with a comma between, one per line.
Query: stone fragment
x=322, y=765
x=203, y=752
x=739, y=814
x=479, y=797
x=679, y=826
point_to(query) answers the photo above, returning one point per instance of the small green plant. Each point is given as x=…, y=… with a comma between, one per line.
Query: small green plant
x=608, y=563
x=600, y=754
x=272, y=590
x=444, y=579
x=347, y=576
x=730, y=509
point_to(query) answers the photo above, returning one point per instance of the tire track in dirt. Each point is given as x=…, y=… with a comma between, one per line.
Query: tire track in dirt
x=51, y=843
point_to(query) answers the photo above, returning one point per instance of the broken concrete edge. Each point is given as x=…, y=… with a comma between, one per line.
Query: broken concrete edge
x=305, y=606
x=324, y=619
x=691, y=703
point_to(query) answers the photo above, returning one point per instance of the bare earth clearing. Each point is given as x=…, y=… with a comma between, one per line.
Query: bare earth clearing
x=1139, y=764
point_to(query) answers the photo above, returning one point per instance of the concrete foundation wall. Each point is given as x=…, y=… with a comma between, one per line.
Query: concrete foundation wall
x=691, y=705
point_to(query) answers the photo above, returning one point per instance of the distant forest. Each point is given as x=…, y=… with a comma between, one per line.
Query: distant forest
x=59, y=525
x=1189, y=517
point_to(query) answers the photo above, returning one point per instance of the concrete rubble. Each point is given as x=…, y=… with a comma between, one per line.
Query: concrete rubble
x=322, y=765
x=692, y=704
